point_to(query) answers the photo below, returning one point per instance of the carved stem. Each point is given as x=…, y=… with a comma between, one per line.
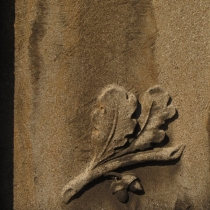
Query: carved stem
x=113, y=174
x=161, y=154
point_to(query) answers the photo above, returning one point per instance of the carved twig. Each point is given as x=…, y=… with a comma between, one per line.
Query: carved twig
x=162, y=154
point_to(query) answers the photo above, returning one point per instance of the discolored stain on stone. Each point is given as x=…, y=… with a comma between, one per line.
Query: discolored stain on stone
x=38, y=31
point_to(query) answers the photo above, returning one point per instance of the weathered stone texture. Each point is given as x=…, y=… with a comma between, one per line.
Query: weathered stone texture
x=66, y=52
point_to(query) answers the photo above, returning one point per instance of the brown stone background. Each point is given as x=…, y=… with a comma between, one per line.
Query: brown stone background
x=66, y=52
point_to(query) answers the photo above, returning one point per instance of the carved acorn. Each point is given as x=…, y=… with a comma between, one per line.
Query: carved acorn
x=135, y=186
x=119, y=186
x=122, y=183
x=121, y=195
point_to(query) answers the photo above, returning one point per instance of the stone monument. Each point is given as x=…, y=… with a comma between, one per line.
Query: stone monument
x=112, y=105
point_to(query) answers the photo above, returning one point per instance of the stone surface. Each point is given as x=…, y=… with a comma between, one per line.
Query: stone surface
x=125, y=133
x=66, y=53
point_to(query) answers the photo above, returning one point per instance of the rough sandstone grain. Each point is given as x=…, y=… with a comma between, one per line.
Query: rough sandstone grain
x=66, y=53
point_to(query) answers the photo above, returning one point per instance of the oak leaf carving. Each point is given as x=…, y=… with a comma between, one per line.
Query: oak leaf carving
x=113, y=126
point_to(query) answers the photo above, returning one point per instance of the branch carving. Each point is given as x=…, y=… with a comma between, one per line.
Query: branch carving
x=123, y=139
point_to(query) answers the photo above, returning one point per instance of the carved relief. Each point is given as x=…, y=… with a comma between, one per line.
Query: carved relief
x=122, y=138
